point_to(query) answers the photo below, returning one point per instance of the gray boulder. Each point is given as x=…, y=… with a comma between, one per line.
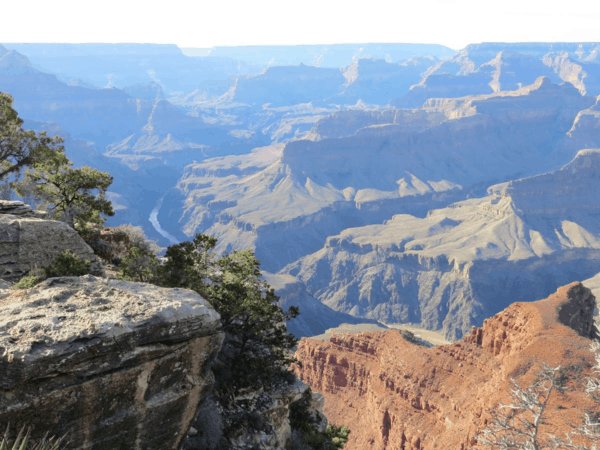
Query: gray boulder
x=113, y=364
x=27, y=242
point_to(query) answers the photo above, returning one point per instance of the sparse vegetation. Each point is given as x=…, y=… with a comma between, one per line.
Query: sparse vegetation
x=257, y=345
x=20, y=148
x=410, y=337
x=76, y=196
x=28, y=282
x=519, y=427
x=67, y=264
x=23, y=442
x=139, y=265
x=309, y=424
x=137, y=238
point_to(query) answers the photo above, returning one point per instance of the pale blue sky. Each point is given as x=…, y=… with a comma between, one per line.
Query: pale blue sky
x=454, y=23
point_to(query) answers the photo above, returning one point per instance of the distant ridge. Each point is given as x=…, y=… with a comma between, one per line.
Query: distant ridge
x=334, y=55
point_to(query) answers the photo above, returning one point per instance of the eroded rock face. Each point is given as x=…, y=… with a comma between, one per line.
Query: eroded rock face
x=27, y=242
x=21, y=209
x=259, y=420
x=115, y=364
x=392, y=394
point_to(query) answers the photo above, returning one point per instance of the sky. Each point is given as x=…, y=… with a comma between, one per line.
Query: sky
x=204, y=24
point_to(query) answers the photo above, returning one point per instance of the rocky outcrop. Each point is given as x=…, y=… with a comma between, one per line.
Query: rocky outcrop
x=372, y=166
x=460, y=264
x=113, y=364
x=21, y=209
x=393, y=394
x=261, y=420
x=27, y=242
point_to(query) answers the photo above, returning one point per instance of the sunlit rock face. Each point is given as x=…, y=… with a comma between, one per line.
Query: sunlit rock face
x=27, y=241
x=493, y=67
x=360, y=168
x=463, y=263
x=394, y=394
x=113, y=364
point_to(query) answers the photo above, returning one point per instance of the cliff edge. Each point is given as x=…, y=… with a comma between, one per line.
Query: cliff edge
x=394, y=394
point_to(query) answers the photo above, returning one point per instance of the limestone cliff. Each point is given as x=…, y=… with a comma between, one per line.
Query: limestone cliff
x=113, y=364
x=393, y=394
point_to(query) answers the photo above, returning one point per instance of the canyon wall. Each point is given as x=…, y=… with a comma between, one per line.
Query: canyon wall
x=393, y=394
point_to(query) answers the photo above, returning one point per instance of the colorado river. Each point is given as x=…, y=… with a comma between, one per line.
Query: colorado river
x=154, y=221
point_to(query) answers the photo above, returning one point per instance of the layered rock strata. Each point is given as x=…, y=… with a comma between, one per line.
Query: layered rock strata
x=460, y=264
x=21, y=209
x=393, y=394
x=112, y=364
x=27, y=242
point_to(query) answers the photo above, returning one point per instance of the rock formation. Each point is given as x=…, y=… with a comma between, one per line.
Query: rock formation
x=20, y=209
x=315, y=317
x=460, y=264
x=285, y=201
x=393, y=394
x=27, y=242
x=113, y=364
x=263, y=422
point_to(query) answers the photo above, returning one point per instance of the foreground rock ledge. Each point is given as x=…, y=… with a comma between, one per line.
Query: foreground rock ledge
x=115, y=364
x=393, y=394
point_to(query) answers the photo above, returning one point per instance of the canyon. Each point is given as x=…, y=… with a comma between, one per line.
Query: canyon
x=394, y=394
x=377, y=184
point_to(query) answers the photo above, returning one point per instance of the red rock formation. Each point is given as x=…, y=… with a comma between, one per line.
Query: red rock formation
x=395, y=395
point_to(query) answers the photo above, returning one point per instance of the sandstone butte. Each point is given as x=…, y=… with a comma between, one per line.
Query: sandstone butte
x=395, y=395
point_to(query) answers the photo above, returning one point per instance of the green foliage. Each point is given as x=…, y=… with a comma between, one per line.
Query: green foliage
x=20, y=148
x=338, y=435
x=28, y=282
x=137, y=238
x=307, y=422
x=22, y=442
x=257, y=342
x=139, y=265
x=67, y=264
x=77, y=195
x=410, y=337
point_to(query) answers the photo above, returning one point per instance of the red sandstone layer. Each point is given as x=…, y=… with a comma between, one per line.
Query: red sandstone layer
x=395, y=395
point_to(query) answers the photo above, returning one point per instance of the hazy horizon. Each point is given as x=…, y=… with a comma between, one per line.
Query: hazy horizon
x=452, y=23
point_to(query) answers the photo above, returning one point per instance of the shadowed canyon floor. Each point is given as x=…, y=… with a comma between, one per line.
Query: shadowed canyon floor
x=393, y=394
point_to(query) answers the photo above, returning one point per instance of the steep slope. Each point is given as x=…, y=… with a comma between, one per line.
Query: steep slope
x=377, y=81
x=377, y=165
x=451, y=269
x=315, y=318
x=593, y=284
x=393, y=394
x=288, y=85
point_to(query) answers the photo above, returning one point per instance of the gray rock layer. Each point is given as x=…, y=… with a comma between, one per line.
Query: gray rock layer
x=112, y=364
x=17, y=208
x=27, y=243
